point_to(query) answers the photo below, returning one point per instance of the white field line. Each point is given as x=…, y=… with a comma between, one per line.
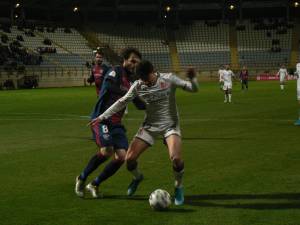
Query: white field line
x=75, y=117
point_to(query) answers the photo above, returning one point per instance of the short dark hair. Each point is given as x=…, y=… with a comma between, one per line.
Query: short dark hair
x=126, y=52
x=99, y=53
x=143, y=69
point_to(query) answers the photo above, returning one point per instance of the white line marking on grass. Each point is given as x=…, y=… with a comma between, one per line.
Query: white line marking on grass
x=132, y=119
x=42, y=114
x=43, y=119
x=81, y=117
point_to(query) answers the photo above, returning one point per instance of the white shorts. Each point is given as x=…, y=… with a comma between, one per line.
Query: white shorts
x=148, y=134
x=227, y=86
x=282, y=78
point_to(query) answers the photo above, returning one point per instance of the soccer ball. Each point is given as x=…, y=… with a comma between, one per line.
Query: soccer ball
x=160, y=199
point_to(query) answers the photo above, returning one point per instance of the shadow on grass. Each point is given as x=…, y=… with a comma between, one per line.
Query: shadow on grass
x=235, y=201
x=213, y=138
x=270, y=201
x=173, y=209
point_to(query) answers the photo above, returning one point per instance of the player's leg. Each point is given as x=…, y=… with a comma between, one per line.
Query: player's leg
x=103, y=140
x=229, y=94
x=246, y=84
x=225, y=95
x=101, y=156
x=138, y=145
x=120, y=143
x=174, y=146
x=281, y=83
x=136, y=148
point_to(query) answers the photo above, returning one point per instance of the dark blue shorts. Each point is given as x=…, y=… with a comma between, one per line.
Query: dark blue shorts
x=110, y=135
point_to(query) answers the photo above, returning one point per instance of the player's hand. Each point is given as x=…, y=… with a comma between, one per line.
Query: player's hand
x=191, y=73
x=94, y=122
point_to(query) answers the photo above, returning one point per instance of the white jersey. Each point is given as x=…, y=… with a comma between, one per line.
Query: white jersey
x=282, y=73
x=227, y=76
x=161, y=109
x=298, y=68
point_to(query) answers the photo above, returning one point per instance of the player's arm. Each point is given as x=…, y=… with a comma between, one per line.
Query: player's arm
x=221, y=80
x=233, y=75
x=191, y=85
x=139, y=103
x=117, y=106
x=91, y=79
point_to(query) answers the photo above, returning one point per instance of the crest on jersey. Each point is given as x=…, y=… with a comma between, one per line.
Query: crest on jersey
x=163, y=85
x=112, y=73
x=106, y=137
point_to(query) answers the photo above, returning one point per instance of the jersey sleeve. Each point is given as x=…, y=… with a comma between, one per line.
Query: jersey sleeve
x=232, y=74
x=121, y=103
x=298, y=67
x=221, y=76
x=139, y=103
x=91, y=78
x=190, y=86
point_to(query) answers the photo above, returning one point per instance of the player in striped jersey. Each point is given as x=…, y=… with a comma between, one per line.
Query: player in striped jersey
x=157, y=90
x=110, y=134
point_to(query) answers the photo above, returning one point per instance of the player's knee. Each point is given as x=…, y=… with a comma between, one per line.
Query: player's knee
x=120, y=158
x=131, y=164
x=178, y=164
x=130, y=155
x=106, y=151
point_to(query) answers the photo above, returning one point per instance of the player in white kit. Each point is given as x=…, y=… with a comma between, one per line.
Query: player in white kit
x=157, y=90
x=226, y=79
x=297, y=123
x=282, y=73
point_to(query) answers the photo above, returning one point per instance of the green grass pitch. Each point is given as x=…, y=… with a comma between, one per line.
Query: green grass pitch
x=242, y=160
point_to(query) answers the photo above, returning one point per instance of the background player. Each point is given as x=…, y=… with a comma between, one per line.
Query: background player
x=98, y=71
x=244, y=76
x=282, y=73
x=110, y=134
x=226, y=78
x=162, y=119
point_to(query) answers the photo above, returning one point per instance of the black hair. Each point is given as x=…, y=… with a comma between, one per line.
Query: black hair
x=143, y=69
x=126, y=52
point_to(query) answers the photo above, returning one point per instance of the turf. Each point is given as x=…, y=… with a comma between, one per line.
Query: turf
x=242, y=160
